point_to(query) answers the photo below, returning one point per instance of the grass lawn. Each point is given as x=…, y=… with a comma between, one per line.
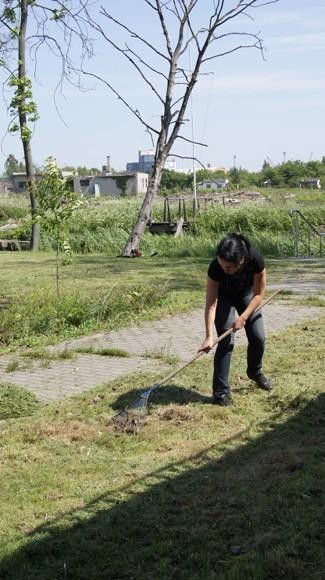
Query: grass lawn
x=199, y=493
x=99, y=292
x=96, y=292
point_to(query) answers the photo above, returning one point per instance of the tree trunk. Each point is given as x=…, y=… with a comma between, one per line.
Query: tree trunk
x=24, y=131
x=144, y=213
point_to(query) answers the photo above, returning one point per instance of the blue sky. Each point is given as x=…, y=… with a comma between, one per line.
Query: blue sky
x=245, y=109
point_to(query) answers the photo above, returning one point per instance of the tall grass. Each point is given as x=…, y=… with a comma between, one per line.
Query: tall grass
x=104, y=226
x=40, y=313
x=13, y=209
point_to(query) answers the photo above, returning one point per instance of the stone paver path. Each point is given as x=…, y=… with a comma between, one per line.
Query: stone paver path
x=175, y=335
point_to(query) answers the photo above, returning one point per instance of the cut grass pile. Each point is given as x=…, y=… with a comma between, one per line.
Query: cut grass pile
x=201, y=492
x=16, y=402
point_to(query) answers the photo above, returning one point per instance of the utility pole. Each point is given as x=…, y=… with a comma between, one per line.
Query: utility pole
x=193, y=156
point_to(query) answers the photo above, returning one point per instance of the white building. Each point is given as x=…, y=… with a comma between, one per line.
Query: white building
x=120, y=184
x=212, y=184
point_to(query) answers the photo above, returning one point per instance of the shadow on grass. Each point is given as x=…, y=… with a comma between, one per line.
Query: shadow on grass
x=241, y=510
x=164, y=395
x=180, y=274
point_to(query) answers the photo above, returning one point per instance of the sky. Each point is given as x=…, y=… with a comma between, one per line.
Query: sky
x=245, y=108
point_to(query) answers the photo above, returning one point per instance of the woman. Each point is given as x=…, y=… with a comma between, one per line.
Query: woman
x=236, y=281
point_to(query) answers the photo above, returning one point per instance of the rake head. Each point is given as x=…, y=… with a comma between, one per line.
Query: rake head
x=132, y=418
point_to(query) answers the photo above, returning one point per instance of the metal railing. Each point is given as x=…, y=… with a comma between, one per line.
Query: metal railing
x=298, y=219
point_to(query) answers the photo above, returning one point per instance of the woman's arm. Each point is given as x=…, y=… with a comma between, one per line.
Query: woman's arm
x=211, y=300
x=259, y=285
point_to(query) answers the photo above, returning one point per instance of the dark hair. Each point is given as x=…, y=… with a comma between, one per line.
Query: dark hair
x=233, y=248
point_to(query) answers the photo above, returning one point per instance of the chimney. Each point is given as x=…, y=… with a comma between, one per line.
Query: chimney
x=108, y=165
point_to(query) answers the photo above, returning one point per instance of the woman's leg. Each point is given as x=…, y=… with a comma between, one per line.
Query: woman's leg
x=254, y=329
x=224, y=318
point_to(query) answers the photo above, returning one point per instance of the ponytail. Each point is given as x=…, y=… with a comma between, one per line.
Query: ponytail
x=233, y=248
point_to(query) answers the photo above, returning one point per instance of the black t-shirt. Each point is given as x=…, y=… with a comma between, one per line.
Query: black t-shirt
x=242, y=282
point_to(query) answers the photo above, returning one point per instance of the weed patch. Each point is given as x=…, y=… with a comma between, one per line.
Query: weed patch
x=104, y=351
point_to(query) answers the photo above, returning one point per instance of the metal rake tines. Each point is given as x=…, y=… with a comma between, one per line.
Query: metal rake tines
x=140, y=404
x=142, y=401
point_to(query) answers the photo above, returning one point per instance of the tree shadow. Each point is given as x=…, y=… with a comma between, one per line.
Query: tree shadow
x=252, y=513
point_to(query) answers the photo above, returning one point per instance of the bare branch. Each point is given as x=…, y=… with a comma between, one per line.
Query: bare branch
x=125, y=52
x=132, y=33
x=131, y=109
x=158, y=72
x=190, y=158
x=158, y=8
x=192, y=141
x=257, y=44
x=194, y=36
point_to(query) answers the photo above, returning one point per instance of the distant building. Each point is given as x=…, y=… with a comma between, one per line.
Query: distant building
x=19, y=182
x=212, y=184
x=216, y=168
x=170, y=164
x=119, y=184
x=146, y=163
x=312, y=183
x=106, y=183
x=5, y=185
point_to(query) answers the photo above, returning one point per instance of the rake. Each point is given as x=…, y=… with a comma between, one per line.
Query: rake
x=138, y=407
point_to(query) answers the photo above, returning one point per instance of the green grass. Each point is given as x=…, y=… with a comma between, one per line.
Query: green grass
x=97, y=293
x=201, y=492
x=106, y=293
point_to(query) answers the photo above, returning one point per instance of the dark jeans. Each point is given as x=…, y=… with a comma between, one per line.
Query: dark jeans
x=254, y=327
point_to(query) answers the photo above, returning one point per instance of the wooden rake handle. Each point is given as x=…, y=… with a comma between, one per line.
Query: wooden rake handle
x=221, y=337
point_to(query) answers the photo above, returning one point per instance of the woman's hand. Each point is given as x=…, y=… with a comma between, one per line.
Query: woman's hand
x=206, y=345
x=238, y=324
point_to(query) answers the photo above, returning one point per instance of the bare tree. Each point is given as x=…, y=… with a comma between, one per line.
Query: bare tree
x=164, y=69
x=56, y=25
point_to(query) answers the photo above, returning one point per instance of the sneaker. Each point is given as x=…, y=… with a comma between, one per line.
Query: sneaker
x=222, y=399
x=262, y=382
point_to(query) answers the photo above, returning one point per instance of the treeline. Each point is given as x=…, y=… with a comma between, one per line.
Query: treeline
x=289, y=174
x=12, y=165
